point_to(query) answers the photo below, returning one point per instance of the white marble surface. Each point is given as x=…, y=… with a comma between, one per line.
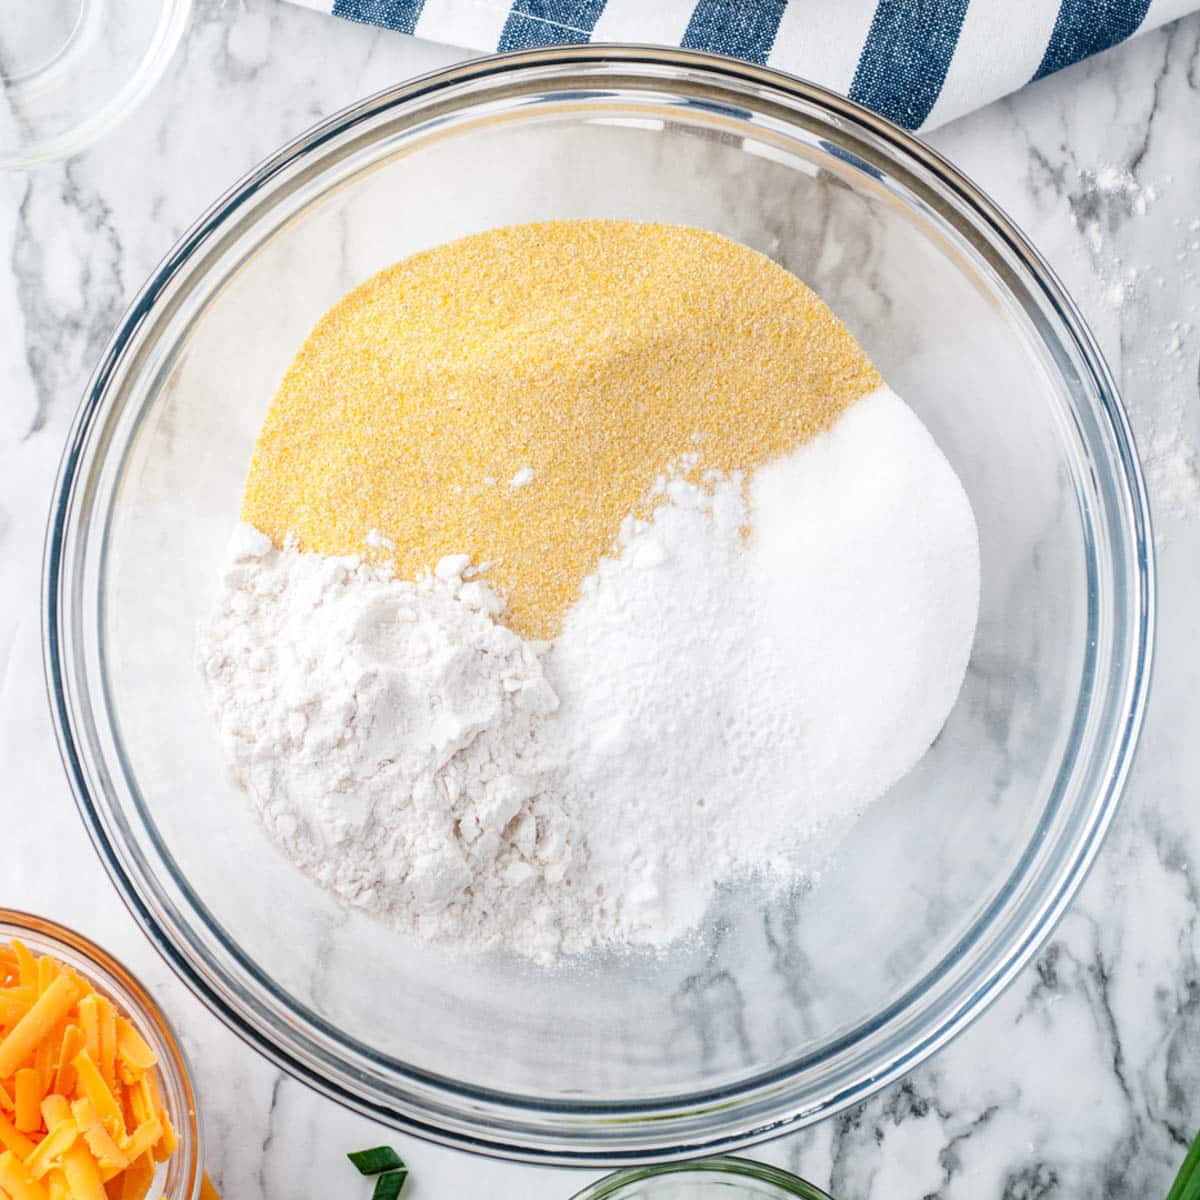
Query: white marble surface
x=1084, y=1080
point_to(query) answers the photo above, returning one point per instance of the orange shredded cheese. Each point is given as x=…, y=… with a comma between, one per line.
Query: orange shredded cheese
x=27, y=1089
x=55, y=1110
x=92, y=1088
x=143, y=1139
x=83, y=1174
x=26, y=965
x=21, y=1042
x=134, y=1055
x=12, y=1139
x=101, y=1142
x=71, y=1045
x=135, y=1183
x=81, y=1113
x=47, y=972
x=58, y=1186
x=89, y=1020
x=46, y=1056
x=13, y=1002
x=52, y=1147
x=108, y=1040
x=17, y=1181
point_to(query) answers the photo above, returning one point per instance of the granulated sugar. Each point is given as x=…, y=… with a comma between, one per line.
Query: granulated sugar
x=756, y=660
x=728, y=710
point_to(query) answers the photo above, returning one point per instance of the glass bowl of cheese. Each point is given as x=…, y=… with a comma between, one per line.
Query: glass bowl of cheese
x=101, y=1091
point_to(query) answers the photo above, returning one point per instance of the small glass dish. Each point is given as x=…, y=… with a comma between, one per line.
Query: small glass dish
x=721, y=1178
x=179, y=1178
x=72, y=69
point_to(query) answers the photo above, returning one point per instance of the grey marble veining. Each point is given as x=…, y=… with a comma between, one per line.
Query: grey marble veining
x=1084, y=1079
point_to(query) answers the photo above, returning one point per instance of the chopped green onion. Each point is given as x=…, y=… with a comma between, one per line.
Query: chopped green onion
x=1187, y=1182
x=387, y=1187
x=376, y=1160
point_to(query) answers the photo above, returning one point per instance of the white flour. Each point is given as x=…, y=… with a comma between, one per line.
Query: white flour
x=716, y=707
x=388, y=733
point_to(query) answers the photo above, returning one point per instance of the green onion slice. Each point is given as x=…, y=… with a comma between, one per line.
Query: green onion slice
x=377, y=1160
x=387, y=1187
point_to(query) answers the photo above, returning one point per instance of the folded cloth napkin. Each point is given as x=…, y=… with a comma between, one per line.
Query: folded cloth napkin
x=919, y=62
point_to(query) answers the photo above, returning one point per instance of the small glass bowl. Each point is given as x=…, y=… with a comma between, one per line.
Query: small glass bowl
x=721, y=1178
x=72, y=69
x=180, y=1176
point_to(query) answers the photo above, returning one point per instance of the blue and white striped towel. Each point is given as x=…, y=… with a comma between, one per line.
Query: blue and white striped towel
x=919, y=62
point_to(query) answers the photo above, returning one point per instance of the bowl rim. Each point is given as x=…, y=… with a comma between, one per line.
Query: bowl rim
x=611, y=1187
x=114, y=977
x=421, y=1109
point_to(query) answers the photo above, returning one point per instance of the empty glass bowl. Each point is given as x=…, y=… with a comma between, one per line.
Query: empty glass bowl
x=724, y=1178
x=71, y=69
x=179, y=1178
x=780, y=1012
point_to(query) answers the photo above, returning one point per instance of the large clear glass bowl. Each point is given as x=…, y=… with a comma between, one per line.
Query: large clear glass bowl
x=782, y=1012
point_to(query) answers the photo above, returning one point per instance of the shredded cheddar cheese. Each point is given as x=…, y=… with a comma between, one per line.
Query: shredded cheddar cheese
x=81, y=1113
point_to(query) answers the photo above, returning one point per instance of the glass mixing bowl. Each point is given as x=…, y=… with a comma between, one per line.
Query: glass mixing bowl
x=179, y=1178
x=781, y=1012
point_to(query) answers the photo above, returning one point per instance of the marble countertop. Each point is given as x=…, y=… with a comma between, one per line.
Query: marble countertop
x=1084, y=1079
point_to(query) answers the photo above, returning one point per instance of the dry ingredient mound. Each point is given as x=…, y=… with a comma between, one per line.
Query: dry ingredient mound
x=585, y=568
x=756, y=660
x=513, y=395
x=388, y=733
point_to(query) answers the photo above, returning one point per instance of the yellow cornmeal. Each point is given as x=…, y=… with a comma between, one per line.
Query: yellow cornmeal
x=594, y=354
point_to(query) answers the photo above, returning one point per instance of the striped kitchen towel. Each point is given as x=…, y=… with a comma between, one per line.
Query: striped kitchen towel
x=919, y=62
